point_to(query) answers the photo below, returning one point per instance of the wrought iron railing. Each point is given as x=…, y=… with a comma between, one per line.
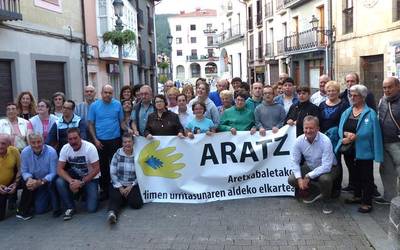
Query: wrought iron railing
x=269, y=50
x=308, y=39
x=10, y=10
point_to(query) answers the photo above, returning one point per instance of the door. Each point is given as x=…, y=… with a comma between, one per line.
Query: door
x=274, y=73
x=6, y=91
x=50, y=78
x=372, y=69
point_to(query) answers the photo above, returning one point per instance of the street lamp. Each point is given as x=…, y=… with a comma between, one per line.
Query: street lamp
x=329, y=33
x=169, y=38
x=118, y=10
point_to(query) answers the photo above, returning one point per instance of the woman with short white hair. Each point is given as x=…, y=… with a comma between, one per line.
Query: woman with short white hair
x=361, y=143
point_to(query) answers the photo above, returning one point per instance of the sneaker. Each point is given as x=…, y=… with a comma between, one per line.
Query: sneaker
x=327, y=209
x=381, y=201
x=23, y=216
x=376, y=194
x=112, y=218
x=68, y=214
x=348, y=189
x=311, y=199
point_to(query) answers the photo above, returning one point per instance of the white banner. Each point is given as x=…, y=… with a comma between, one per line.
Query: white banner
x=217, y=167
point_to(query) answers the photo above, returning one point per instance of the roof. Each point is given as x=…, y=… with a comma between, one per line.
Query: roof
x=198, y=13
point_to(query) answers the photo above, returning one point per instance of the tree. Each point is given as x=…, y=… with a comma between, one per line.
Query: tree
x=120, y=38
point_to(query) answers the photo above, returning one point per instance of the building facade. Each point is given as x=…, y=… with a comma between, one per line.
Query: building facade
x=194, y=52
x=40, y=49
x=231, y=40
x=367, y=41
x=282, y=39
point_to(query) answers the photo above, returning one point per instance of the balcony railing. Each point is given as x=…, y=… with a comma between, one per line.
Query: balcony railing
x=293, y=3
x=210, y=30
x=150, y=24
x=229, y=35
x=10, y=10
x=250, y=55
x=193, y=58
x=140, y=19
x=269, y=9
x=269, y=50
x=305, y=40
x=280, y=4
x=280, y=48
x=260, y=55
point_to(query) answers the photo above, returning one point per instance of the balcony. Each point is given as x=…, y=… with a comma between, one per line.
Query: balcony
x=250, y=55
x=142, y=57
x=10, y=10
x=229, y=36
x=293, y=3
x=280, y=48
x=140, y=19
x=150, y=25
x=210, y=30
x=305, y=41
x=269, y=50
x=269, y=9
x=260, y=55
x=196, y=58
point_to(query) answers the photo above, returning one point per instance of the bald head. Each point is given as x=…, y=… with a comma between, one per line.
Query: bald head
x=283, y=76
x=107, y=93
x=5, y=142
x=222, y=84
x=90, y=93
x=146, y=94
x=391, y=87
x=322, y=81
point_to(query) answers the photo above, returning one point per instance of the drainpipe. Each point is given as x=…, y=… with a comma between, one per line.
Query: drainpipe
x=85, y=58
x=247, y=41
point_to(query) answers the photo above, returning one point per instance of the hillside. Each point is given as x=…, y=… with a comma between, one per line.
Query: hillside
x=162, y=31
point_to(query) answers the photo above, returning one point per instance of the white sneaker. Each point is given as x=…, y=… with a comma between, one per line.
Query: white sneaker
x=68, y=214
x=327, y=209
x=112, y=218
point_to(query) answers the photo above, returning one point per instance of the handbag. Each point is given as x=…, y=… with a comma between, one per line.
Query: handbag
x=347, y=149
x=394, y=120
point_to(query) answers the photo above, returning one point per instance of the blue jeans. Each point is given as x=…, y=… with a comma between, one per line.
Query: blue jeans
x=90, y=191
x=41, y=198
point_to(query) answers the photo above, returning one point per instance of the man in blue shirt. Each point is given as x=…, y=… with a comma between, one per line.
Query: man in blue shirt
x=222, y=84
x=38, y=167
x=105, y=118
x=142, y=110
x=319, y=160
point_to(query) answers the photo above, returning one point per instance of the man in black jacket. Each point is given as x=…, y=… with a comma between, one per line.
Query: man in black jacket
x=353, y=79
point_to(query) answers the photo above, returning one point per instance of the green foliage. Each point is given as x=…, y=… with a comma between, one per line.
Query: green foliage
x=119, y=38
x=162, y=31
x=163, y=65
x=163, y=79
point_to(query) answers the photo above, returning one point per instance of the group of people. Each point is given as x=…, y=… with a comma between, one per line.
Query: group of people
x=59, y=152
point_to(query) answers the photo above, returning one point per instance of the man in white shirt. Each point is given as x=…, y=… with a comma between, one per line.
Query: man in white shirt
x=319, y=160
x=320, y=96
x=78, y=170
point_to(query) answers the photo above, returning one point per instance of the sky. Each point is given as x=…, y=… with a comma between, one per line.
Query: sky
x=175, y=6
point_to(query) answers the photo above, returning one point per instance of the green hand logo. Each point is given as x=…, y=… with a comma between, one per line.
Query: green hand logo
x=160, y=162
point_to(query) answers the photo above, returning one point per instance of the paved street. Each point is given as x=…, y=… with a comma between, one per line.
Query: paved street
x=262, y=223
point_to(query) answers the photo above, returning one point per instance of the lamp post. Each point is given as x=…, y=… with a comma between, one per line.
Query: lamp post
x=328, y=52
x=169, y=38
x=118, y=10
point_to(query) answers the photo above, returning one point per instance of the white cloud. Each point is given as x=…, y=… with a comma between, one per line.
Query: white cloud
x=175, y=6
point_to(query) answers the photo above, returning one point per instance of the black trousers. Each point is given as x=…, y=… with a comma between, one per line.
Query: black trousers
x=3, y=203
x=364, y=180
x=134, y=199
x=105, y=155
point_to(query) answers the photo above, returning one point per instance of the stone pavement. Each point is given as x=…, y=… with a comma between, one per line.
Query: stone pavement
x=261, y=223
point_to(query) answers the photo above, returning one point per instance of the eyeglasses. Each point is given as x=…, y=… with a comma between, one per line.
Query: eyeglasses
x=70, y=108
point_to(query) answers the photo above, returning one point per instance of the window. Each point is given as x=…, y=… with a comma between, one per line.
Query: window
x=179, y=53
x=210, y=41
x=348, y=17
x=210, y=52
x=209, y=25
x=178, y=27
x=193, y=27
x=178, y=40
x=52, y=5
x=194, y=52
x=193, y=40
x=396, y=10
